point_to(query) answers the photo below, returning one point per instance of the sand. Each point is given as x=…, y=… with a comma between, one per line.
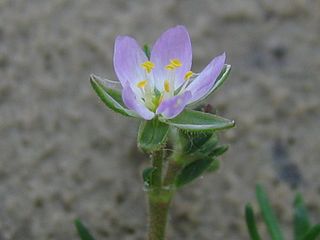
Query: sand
x=63, y=155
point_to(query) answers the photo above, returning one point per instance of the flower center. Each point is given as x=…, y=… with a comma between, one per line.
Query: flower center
x=150, y=95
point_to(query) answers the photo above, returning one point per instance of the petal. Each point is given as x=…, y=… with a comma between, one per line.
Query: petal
x=207, y=78
x=133, y=103
x=173, y=44
x=171, y=107
x=127, y=60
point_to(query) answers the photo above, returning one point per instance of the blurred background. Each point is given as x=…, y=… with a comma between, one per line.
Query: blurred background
x=64, y=155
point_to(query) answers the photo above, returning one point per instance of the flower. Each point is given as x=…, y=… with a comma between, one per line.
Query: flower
x=164, y=84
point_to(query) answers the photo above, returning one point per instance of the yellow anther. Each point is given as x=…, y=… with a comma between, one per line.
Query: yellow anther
x=148, y=66
x=166, y=86
x=188, y=75
x=142, y=84
x=176, y=62
x=170, y=67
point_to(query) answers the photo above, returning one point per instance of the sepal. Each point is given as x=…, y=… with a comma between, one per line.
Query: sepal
x=196, y=121
x=110, y=97
x=152, y=135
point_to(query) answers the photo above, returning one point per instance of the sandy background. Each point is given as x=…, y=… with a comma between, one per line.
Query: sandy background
x=63, y=155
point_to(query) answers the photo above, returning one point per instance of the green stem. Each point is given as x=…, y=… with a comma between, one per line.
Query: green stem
x=157, y=162
x=161, y=194
x=158, y=214
x=174, y=166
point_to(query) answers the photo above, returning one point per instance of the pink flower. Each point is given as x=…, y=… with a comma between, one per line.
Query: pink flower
x=164, y=84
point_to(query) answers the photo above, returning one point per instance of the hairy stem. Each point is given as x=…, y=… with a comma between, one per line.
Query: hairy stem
x=158, y=215
x=157, y=163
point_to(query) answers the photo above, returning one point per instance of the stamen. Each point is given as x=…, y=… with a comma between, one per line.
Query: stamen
x=170, y=67
x=148, y=66
x=142, y=84
x=166, y=86
x=174, y=63
x=188, y=75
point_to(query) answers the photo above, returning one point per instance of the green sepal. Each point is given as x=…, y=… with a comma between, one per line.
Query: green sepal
x=111, y=97
x=219, y=150
x=192, y=171
x=313, y=233
x=214, y=166
x=152, y=135
x=222, y=77
x=83, y=231
x=147, y=51
x=198, y=121
x=251, y=223
x=268, y=214
x=301, y=218
x=192, y=142
x=147, y=176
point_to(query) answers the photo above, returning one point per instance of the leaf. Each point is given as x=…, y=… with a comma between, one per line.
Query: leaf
x=219, y=150
x=83, y=231
x=147, y=175
x=198, y=121
x=268, y=215
x=207, y=147
x=110, y=97
x=214, y=166
x=192, y=142
x=251, y=223
x=192, y=171
x=313, y=233
x=301, y=218
x=152, y=135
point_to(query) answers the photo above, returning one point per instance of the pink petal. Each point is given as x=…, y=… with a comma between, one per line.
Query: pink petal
x=171, y=107
x=173, y=44
x=127, y=60
x=200, y=86
x=132, y=102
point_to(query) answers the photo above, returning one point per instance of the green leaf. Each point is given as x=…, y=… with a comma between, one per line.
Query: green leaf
x=219, y=150
x=251, y=223
x=83, y=231
x=152, y=135
x=313, y=233
x=268, y=215
x=214, y=166
x=301, y=218
x=192, y=142
x=210, y=144
x=147, y=175
x=198, y=121
x=192, y=171
x=110, y=97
